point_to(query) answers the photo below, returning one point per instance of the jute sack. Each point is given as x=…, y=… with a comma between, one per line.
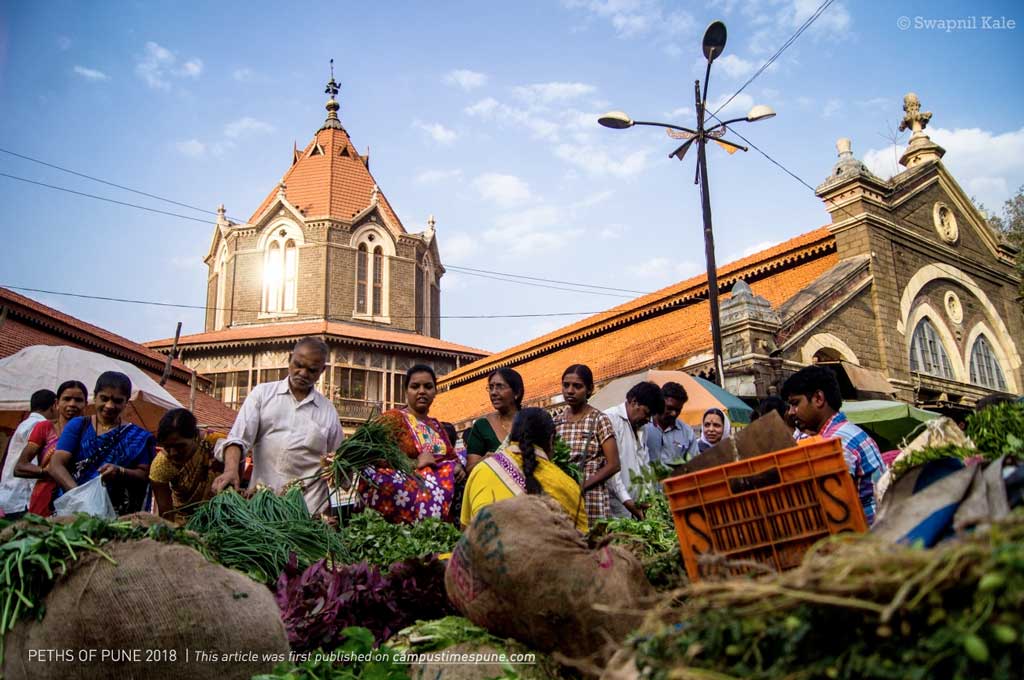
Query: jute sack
x=522, y=570
x=146, y=618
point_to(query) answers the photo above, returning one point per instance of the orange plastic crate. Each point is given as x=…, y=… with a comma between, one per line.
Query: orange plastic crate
x=769, y=509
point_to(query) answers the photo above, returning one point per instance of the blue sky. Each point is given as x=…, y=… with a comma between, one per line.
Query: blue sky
x=481, y=113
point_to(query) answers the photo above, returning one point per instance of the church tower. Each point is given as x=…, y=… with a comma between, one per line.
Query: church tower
x=325, y=244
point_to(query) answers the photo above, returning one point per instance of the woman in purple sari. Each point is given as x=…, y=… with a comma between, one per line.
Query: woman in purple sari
x=102, y=446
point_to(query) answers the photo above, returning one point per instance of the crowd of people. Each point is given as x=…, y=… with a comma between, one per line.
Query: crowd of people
x=286, y=428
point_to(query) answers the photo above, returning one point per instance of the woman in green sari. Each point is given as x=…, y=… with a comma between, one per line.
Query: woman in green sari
x=505, y=387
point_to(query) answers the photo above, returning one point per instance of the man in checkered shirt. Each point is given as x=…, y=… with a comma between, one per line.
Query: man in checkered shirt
x=814, y=401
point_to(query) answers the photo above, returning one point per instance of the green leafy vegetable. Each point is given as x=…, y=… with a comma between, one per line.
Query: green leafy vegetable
x=561, y=456
x=343, y=663
x=373, y=443
x=998, y=430
x=369, y=537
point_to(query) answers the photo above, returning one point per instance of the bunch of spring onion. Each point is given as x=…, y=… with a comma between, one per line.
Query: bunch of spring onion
x=373, y=444
x=258, y=535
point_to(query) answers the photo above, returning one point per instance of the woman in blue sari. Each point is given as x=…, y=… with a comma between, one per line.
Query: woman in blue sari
x=102, y=446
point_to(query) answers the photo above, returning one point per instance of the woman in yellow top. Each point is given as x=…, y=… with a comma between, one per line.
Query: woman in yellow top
x=523, y=467
x=184, y=468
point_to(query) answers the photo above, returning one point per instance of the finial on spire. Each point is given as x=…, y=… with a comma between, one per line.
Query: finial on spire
x=914, y=120
x=431, y=222
x=332, y=103
x=281, y=189
x=920, y=148
x=375, y=194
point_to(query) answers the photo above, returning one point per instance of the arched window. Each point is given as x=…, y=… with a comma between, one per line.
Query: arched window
x=220, y=301
x=985, y=370
x=378, y=281
x=361, y=267
x=273, y=278
x=280, y=244
x=374, y=246
x=927, y=355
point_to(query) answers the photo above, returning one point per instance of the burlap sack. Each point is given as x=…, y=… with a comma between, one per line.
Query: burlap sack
x=523, y=571
x=148, y=617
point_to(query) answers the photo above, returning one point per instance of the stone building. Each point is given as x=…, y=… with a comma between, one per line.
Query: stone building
x=907, y=291
x=324, y=254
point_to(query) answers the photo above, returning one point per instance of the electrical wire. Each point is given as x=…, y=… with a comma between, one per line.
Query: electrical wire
x=778, y=53
x=175, y=305
x=107, y=182
x=534, y=278
x=758, y=149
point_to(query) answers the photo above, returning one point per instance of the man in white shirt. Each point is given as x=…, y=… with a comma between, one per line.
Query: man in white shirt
x=628, y=420
x=14, y=491
x=289, y=426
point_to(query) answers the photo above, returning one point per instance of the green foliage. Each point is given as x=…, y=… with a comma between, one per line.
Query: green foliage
x=368, y=536
x=427, y=636
x=344, y=663
x=561, y=456
x=257, y=536
x=37, y=552
x=866, y=610
x=373, y=443
x=998, y=430
x=905, y=464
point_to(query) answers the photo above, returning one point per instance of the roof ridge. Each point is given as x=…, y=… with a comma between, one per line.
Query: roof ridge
x=686, y=289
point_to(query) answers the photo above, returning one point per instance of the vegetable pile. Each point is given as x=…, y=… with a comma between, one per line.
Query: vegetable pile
x=317, y=603
x=338, y=664
x=855, y=608
x=998, y=430
x=36, y=552
x=373, y=443
x=258, y=535
x=369, y=537
x=652, y=540
x=562, y=457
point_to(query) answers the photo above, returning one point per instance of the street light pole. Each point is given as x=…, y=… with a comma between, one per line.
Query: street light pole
x=713, y=45
x=709, y=238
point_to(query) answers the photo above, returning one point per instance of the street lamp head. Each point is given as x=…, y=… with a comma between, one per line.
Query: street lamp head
x=760, y=112
x=617, y=120
x=714, y=40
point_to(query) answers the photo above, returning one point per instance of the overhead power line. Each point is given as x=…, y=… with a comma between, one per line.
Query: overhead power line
x=763, y=153
x=108, y=200
x=107, y=182
x=785, y=46
x=535, y=278
x=176, y=305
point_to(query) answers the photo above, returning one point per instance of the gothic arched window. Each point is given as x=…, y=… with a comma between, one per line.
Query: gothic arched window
x=985, y=370
x=361, y=268
x=378, y=281
x=927, y=355
x=281, y=268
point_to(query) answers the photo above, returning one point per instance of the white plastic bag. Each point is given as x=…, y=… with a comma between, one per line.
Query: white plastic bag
x=90, y=498
x=15, y=494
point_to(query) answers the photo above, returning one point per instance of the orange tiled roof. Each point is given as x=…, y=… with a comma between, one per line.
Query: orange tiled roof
x=292, y=331
x=336, y=183
x=33, y=323
x=661, y=327
x=81, y=333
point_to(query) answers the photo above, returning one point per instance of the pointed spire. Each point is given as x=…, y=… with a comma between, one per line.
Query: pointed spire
x=375, y=194
x=332, y=104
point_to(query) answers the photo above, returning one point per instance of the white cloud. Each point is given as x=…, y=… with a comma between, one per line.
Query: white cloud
x=734, y=67
x=436, y=176
x=63, y=43
x=90, y=73
x=466, y=79
x=484, y=107
x=242, y=75
x=439, y=133
x=192, y=68
x=880, y=103
x=637, y=18
x=539, y=228
x=505, y=190
x=600, y=162
x=159, y=65
x=681, y=112
x=739, y=106
x=832, y=107
x=986, y=164
x=192, y=148
x=664, y=270
x=594, y=199
x=610, y=232
x=547, y=93
x=246, y=125
x=457, y=248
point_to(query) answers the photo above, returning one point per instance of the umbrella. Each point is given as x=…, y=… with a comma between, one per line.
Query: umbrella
x=892, y=420
x=701, y=394
x=45, y=367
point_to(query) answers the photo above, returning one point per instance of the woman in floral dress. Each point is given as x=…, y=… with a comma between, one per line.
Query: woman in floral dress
x=428, y=492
